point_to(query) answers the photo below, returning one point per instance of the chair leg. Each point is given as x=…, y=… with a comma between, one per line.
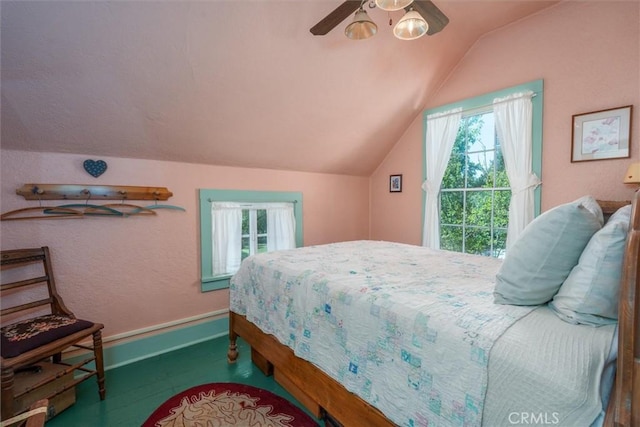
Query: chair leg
x=97, y=351
x=7, y=393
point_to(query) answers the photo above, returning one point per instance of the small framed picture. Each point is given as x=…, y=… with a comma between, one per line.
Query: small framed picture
x=600, y=135
x=395, y=183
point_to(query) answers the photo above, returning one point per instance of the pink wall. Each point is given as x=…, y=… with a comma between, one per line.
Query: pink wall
x=588, y=54
x=131, y=273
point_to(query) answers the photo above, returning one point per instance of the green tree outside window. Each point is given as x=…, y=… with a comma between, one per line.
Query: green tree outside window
x=475, y=195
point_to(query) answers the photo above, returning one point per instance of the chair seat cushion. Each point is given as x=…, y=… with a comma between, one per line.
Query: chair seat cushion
x=23, y=336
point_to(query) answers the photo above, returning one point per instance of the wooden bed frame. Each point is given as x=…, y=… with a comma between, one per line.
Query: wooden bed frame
x=326, y=398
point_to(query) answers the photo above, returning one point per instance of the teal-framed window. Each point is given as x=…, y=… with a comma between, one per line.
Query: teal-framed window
x=459, y=217
x=210, y=282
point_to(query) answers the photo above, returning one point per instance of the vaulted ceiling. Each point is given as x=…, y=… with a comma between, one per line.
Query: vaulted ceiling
x=237, y=83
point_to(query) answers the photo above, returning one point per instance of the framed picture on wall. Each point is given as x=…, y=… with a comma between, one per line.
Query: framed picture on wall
x=395, y=183
x=600, y=135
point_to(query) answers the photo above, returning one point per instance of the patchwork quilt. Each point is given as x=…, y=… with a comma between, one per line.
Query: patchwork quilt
x=406, y=328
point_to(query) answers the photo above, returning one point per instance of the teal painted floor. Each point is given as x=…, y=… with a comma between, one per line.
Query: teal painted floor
x=134, y=391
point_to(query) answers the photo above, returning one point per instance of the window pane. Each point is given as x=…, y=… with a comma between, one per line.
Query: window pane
x=262, y=243
x=499, y=243
x=479, y=208
x=454, y=174
x=477, y=241
x=262, y=221
x=245, y=221
x=451, y=238
x=480, y=169
x=502, y=198
x=499, y=160
x=245, y=246
x=481, y=132
x=501, y=172
x=451, y=207
x=469, y=133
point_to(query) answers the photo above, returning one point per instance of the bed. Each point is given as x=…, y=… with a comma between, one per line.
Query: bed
x=345, y=351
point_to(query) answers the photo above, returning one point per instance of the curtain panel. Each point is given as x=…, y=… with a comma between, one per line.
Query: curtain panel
x=281, y=227
x=513, y=118
x=226, y=235
x=441, y=132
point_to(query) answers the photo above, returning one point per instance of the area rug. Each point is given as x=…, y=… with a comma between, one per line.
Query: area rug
x=228, y=404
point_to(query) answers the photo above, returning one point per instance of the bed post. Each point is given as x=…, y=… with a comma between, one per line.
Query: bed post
x=232, y=354
x=624, y=407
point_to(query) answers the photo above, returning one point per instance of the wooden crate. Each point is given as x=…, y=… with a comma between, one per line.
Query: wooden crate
x=27, y=379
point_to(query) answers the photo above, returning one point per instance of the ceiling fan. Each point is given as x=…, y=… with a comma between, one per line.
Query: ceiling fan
x=429, y=12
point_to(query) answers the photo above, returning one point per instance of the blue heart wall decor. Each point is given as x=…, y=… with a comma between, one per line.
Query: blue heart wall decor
x=95, y=168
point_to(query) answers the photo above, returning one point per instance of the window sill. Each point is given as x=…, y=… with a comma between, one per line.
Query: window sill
x=214, y=283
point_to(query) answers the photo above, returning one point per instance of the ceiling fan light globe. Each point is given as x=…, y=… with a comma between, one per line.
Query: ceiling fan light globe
x=393, y=5
x=411, y=26
x=362, y=27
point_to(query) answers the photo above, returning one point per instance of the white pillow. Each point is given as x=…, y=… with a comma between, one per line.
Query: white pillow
x=542, y=257
x=591, y=292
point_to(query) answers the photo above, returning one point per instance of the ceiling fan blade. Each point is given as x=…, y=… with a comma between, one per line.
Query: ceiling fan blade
x=430, y=12
x=334, y=18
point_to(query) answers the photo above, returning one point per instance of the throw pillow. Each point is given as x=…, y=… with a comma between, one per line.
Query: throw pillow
x=540, y=260
x=590, y=294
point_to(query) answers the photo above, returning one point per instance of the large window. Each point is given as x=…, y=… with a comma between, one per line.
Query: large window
x=473, y=199
x=236, y=224
x=475, y=193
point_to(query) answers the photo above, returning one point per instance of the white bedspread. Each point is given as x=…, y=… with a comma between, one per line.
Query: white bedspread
x=544, y=371
x=406, y=328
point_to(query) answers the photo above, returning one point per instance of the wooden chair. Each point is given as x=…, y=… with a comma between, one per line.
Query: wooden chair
x=36, y=327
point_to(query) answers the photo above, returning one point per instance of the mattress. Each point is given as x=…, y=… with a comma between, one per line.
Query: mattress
x=410, y=330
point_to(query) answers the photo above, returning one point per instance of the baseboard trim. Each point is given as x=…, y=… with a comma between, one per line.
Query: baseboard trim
x=167, y=325
x=140, y=344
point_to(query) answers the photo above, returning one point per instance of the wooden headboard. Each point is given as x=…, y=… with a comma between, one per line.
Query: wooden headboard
x=624, y=404
x=609, y=207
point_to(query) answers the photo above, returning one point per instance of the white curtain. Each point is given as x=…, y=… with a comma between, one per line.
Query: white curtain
x=513, y=118
x=226, y=228
x=442, y=129
x=281, y=226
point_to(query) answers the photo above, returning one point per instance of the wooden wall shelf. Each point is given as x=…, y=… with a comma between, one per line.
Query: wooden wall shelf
x=91, y=192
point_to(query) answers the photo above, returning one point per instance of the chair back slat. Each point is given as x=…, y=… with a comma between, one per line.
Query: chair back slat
x=26, y=275
x=27, y=282
x=28, y=306
x=22, y=256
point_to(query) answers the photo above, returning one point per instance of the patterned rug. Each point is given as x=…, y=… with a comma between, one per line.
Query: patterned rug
x=228, y=404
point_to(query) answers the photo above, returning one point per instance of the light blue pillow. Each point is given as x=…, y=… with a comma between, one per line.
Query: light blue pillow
x=591, y=292
x=542, y=257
